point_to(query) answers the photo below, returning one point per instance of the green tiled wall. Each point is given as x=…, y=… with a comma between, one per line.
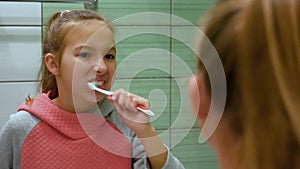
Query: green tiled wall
x=155, y=60
x=190, y=152
x=148, y=48
x=191, y=9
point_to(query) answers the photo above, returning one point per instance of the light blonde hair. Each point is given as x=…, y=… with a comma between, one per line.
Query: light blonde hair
x=258, y=42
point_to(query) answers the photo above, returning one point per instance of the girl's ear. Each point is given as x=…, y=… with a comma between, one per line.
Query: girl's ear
x=200, y=100
x=51, y=63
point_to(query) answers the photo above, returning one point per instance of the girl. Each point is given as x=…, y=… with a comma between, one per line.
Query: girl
x=63, y=127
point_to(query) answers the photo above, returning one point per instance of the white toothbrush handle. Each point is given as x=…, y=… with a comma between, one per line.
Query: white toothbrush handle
x=144, y=110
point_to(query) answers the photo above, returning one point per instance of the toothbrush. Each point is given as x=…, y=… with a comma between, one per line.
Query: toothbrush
x=108, y=93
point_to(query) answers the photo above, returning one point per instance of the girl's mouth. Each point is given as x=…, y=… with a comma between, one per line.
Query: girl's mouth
x=98, y=83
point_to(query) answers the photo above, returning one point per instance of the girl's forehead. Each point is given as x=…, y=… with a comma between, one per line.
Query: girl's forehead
x=90, y=27
x=91, y=32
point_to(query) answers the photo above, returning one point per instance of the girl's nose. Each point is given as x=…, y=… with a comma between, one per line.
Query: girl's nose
x=100, y=66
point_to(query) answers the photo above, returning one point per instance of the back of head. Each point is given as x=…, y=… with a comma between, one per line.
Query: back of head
x=258, y=43
x=270, y=80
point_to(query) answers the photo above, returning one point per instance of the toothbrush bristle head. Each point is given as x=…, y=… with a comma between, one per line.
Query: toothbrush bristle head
x=91, y=85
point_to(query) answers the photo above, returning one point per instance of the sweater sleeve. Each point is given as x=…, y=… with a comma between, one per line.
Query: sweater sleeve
x=140, y=159
x=172, y=162
x=6, y=148
x=12, y=137
x=139, y=156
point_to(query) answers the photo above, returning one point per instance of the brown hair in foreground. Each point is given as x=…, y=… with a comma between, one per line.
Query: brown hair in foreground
x=258, y=42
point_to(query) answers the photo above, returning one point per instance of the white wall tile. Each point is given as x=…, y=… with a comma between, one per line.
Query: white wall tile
x=12, y=95
x=20, y=55
x=20, y=13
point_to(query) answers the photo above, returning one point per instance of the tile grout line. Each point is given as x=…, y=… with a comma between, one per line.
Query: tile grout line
x=170, y=81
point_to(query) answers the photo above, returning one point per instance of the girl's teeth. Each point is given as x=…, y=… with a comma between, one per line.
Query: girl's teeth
x=100, y=83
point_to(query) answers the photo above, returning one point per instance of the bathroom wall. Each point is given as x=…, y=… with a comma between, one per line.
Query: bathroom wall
x=20, y=53
x=154, y=53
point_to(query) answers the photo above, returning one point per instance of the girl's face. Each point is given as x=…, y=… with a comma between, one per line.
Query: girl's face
x=89, y=56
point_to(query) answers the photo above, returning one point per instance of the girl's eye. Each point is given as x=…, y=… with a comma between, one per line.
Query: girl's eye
x=109, y=56
x=84, y=54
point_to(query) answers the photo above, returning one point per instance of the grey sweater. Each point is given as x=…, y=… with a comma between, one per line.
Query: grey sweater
x=20, y=124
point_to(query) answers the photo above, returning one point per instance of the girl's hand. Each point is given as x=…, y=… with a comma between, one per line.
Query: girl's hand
x=126, y=104
x=137, y=121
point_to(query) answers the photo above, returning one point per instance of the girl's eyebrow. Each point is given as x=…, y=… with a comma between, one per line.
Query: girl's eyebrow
x=82, y=46
x=113, y=49
x=78, y=49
